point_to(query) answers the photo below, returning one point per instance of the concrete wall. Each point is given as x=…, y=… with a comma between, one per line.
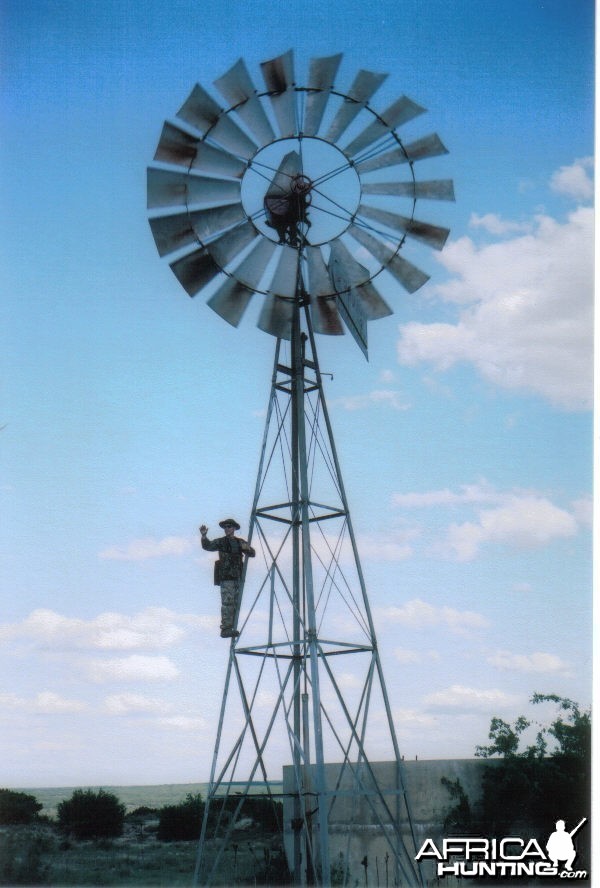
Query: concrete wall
x=354, y=828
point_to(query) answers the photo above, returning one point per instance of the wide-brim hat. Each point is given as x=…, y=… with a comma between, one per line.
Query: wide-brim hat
x=229, y=521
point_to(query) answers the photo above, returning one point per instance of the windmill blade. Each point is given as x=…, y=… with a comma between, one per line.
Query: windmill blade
x=285, y=278
x=198, y=268
x=405, y=272
x=180, y=230
x=432, y=189
x=179, y=148
x=323, y=304
x=318, y=277
x=278, y=75
x=276, y=317
x=401, y=111
x=237, y=88
x=433, y=235
x=225, y=248
x=202, y=112
x=278, y=308
x=231, y=299
x=321, y=75
x=343, y=267
x=176, y=146
x=428, y=146
x=172, y=232
x=326, y=316
x=195, y=270
x=169, y=189
x=209, y=159
x=252, y=268
x=364, y=86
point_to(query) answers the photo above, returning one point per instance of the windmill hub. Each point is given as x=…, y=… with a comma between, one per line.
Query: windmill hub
x=292, y=188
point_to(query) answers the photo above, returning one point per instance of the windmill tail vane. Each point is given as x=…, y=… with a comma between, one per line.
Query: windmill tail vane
x=299, y=203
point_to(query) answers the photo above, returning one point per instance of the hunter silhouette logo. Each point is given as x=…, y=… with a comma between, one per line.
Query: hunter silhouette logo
x=560, y=845
x=507, y=857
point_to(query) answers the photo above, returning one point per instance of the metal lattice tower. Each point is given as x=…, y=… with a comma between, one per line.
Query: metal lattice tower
x=266, y=205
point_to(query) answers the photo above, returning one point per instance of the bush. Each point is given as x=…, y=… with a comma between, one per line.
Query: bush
x=17, y=807
x=181, y=822
x=92, y=815
x=141, y=812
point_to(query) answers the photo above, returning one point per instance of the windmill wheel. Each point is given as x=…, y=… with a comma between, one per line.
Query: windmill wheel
x=283, y=192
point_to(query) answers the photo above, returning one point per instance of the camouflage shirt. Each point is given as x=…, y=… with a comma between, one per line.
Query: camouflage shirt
x=231, y=556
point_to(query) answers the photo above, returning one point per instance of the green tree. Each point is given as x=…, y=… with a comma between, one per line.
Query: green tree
x=17, y=807
x=90, y=815
x=547, y=780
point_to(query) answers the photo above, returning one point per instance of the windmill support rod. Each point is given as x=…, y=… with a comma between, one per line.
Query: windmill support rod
x=302, y=490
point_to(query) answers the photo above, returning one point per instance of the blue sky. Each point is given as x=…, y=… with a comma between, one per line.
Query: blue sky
x=131, y=413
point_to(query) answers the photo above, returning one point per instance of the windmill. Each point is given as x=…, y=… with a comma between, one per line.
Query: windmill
x=281, y=202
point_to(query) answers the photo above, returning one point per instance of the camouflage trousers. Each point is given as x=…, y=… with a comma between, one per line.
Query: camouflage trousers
x=230, y=590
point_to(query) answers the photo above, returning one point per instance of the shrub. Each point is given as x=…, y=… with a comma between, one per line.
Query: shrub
x=90, y=815
x=142, y=811
x=181, y=822
x=17, y=807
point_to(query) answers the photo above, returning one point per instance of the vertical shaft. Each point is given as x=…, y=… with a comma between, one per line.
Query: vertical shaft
x=310, y=627
x=297, y=648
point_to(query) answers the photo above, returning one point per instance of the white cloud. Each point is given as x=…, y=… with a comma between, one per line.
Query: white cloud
x=405, y=656
x=349, y=681
x=420, y=615
x=468, y=699
x=523, y=522
x=520, y=519
x=525, y=319
x=377, y=398
x=133, y=668
x=410, y=718
x=469, y=493
x=575, y=180
x=154, y=627
x=496, y=225
x=583, y=510
x=124, y=704
x=537, y=662
x=183, y=723
x=395, y=546
x=149, y=547
x=45, y=702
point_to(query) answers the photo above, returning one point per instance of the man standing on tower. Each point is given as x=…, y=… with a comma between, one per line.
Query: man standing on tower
x=228, y=570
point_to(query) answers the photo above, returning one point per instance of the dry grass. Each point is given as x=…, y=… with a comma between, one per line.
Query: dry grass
x=38, y=855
